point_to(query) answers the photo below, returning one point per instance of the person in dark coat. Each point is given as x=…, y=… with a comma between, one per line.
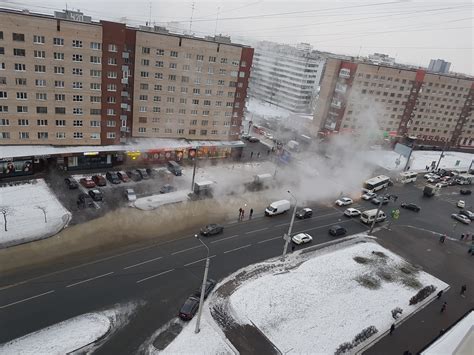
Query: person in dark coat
x=463, y=290
x=443, y=307
x=440, y=293
x=392, y=328
x=251, y=213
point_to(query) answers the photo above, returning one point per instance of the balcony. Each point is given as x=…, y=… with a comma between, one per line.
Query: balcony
x=124, y=81
x=341, y=88
x=125, y=55
x=124, y=94
x=124, y=106
x=336, y=104
x=123, y=117
x=345, y=73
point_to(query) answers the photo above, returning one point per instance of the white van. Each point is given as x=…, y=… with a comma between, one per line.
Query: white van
x=369, y=216
x=277, y=207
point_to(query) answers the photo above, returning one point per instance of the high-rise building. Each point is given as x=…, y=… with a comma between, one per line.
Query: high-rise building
x=286, y=76
x=439, y=66
x=66, y=80
x=396, y=101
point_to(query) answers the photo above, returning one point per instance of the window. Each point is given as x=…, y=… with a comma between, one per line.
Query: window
x=4, y=122
x=223, y=60
x=95, y=99
x=3, y=108
x=144, y=74
x=112, y=61
x=183, y=100
x=3, y=95
x=38, y=39
x=111, y=87
x=182, y=111
x=207, y=102
x=18, y=37
x=174, y=54
x=60, y=123
x=172, y=77
x=78, y=135
x=20, y=81
x=20, y=67
x=77, y=123
x=95, y=111
x=196, y=91
x=203, y=132
x=171, y=88
x=157, y=98
x=141, y=130
x=39, y=54
x=58, y=41
x=195, y=102
x=170, y=99
x=19, y=52
x=186, y=67
x=41, y=109
x=169, y=110
x=111, y=100
x=220, y=82
x=184, y=90
x=112, y=47
x=21, y=96
x=60, y=110
x=158, y=75
x=110, y=112
x=76, y=71
x=208, y=92
x=110, y=135
x=111, y=123
x=95, y=86
x=214, y=131
x=77, y=57
x=146, y=50
x=173, y=66
x=192, y=132
x=159, y=64
x=95, y=46
x=23, y=122
x=41, y=96
x=199, y=58
x=95, y=73
x=77, y=98
x=95, y=123
x=188, y=56
x=42, y=135
x=77, y=85
x=77, y=111
x=212, y=59
x=160, y=52
x=145, y=62
x=60, y=135
x=156, y=109
x=95, y=59
x=58, y=84
x=180, y=131
x=58, y=56
x=24, y=135
x=59, y=97
x=76, y=43
x=112, y=75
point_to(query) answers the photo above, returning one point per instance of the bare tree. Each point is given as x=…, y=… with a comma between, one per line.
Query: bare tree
x=6, y=211
x=43, y=208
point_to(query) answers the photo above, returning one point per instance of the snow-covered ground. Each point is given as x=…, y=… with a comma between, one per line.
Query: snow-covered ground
x=265, y=109
x=322, y=293
x=32, y=212
x=61, y=338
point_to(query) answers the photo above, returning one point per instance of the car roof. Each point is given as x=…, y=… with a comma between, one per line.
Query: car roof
x=337, y=226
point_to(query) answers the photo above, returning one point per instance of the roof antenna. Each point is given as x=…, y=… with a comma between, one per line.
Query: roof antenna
x=217, y=18
x=149, y=18
x=191, y=22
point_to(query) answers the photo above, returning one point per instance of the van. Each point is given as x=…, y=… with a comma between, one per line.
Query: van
x=369, y=216
x=175, y=168
x=277, y=207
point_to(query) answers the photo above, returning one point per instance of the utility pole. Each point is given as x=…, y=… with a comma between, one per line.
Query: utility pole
x=203, y=287
x=288, y=236
x=441, y=156
x=194, y=168
x=390, y=197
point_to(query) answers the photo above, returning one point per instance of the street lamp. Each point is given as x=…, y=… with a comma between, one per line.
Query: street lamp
x=391, y=197
x=203, y=287
x=288, y=236
x=194, y=167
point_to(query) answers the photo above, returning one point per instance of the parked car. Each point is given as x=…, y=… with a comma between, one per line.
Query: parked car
x=468, y=214
x=189, y=308
x=344, y=201
x=465, y=192
x=429, y=175
x=304, y=213
x=461, y=204
x=153, y=173
x=99, y=180
x=411, y=207
x=352, y=212
x=211, y=229
x=96, y=195
x=377, y=200
x=167, y=188
x=84, y=200
x=302, y=238
x=245, y=136
x=253, y=140
x=442, y=184
x=337, y=230
x=130, y=195
x=87, y=182
x=433, y=179
x=207, y=289
x=369, y=196
x=123, y=176
x=143, y=174
x=134, y=175
x=71, y=183
x=461, y=218
x=112, y=177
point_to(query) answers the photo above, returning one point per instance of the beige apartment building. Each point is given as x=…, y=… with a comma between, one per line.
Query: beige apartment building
x=396, y=101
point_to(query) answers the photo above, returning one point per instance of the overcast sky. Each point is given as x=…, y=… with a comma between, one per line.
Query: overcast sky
x=413, y=31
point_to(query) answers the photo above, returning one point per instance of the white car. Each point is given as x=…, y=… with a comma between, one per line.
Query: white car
x=369, y=196
x=130, y=195
x=461, y=218
x=461, y=204
x=344, y=201
x=352, y=212
x=302, y=238
x=428, y=176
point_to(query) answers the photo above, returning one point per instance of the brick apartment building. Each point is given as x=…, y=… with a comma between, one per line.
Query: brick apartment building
x=66, y=80
x=396, y=101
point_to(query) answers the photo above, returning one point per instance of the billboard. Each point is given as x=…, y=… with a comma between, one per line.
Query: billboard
x=402, y=150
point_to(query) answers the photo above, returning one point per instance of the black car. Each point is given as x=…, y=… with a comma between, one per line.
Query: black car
x=84, y=200
x=304, y=213
x=134, y=175
x=212, y=229
x=167, y=188
x=96, y=195
x=207, y=290
x=465, y=192
x=71, y=183
x=376, y=201
x=411, y=207
x=113, y=177
x=337, y=230
x=189, y=308
x=143, y=174
x=253, y=140
x=468, y=214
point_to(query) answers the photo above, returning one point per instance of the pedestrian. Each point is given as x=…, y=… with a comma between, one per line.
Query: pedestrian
x=258, y=155
x=427, y=168
x=243, y=214
x=251, y=155
x=462, y=236
x=240, y=213
x=440, y=293
x=443, y=307
x=292, y=247
x=392, y=328
x=268, y=152
x=463, y=290
x=467, y=236
x=251, y=213
x=442, y=238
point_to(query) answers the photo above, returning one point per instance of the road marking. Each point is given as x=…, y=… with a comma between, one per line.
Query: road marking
x=324, y=215
x=26, y=299
x=326, y=225
x=267, y=240
x=256, y=230
x=184, y=250
x=221, y=240
x=198, y=261
x=143, y=262
x=245, y=246
x=150, y=277
x=92, y=278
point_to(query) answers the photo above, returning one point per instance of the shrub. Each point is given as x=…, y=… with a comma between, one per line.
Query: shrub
x=343, y=348
x=396, y=312
x=411, y=282
x=422, y=294
x=385, y=275
x=358, y=339
x=361, y=260
x=379, y=253
x=368, y=281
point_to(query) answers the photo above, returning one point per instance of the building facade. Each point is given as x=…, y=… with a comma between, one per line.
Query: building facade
x=65, y=80
x=439, y=66
x=286, y=76
x=396, y=101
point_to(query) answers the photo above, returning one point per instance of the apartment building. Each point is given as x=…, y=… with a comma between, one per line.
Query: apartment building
x=286, y=76
x=396, y=101
x=66, y=80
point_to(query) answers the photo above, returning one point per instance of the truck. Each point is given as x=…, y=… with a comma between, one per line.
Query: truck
x=203, y=187
x=430, y=190
x=262, y=179
x=277, y=207
x=293, y=145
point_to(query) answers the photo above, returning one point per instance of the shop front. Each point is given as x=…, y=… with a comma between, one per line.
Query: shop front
x=10, y=167
x=89, y=160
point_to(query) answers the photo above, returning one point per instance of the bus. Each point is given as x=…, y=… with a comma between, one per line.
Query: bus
x=377, y=183
x=464, y=179
x=408, y=176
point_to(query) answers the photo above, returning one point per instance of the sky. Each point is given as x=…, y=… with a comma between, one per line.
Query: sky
x=412, y=31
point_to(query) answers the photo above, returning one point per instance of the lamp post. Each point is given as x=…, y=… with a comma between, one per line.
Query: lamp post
x=203, y=287
x=442, y=155
x=394, y=197
x=288, y=236
x=194, y=168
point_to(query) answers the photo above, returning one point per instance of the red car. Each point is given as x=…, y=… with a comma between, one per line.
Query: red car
x=87, y=182
x=99, y=180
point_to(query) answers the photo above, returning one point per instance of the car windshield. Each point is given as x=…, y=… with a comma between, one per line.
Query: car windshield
x=271, y=209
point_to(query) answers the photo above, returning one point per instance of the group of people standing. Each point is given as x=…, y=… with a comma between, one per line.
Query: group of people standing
x=242, y=214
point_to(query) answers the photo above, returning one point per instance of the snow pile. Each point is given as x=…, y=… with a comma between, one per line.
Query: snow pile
x=330, y=296
x=31, y=211
x=154, y=201
x=264, y=109
x=61, y=338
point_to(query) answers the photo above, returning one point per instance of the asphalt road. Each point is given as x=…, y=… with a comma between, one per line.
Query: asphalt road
x=163, y=275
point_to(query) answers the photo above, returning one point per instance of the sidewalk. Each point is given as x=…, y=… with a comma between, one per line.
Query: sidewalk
x=449, y=262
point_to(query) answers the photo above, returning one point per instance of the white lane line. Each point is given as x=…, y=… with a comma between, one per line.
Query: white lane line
x=256, y=230
x=315, y=217
x=92, y=278
x=198, y=261
x=184, y=250
x=26, y=299
x=150, y=277
x=267, y=240
x=326, y=225
x=143, y=262
x=221, y=240
x=245, y=246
